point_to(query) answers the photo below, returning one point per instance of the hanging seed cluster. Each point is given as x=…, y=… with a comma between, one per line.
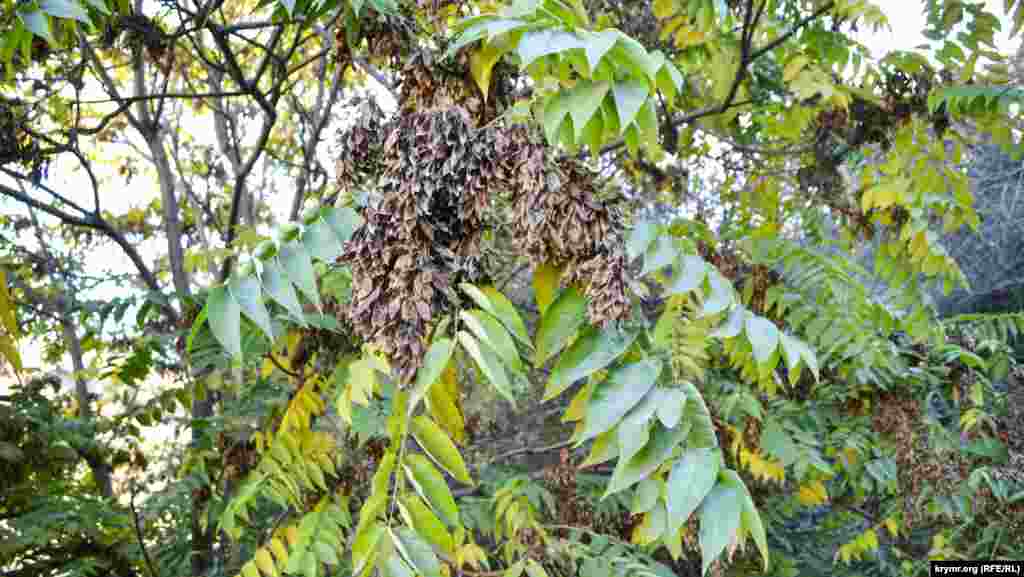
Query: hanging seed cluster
x=360, y=148
x=422, y=229
x=560, y=221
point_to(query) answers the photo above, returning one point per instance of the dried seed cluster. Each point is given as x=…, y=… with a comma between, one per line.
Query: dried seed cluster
x=360, y=148
x=423, y=227
x=561, y=222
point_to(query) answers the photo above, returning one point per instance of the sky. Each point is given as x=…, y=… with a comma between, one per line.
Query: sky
x=906, y=19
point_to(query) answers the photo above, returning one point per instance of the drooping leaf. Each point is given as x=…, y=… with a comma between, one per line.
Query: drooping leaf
x=224, y=314
x=64, y=9
x=670, y=405
x=281, y=290
x=489, y=363
x=647, y=460
x=247, y=292
x=625, y=386
x=592, y=351
x=299, y=267
x=506, y=312
x=764, y=337
x=691, y=275
x=597, y=44
x=630, y=96
x=425, y=522
x=719, y=523
x=321, y=241
x=417, y=553
x=431, y=486
x=440, y=448
x=560, y=322
x=490, y=331
x=434, y=363
x=37, y=22
x=542, y=42
x=584, y=100
x=692, y=477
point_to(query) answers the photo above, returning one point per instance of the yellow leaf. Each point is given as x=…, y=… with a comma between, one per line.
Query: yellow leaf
x=292, y=534
x=443, y=406
x=867, y=200
x=545, y=283
x=794, y=67
x=892, y=526
x=578, y=405
x=250, y=570
x=265, y=562
x=812, y=494
x=664, y=8
x=481, y=62
x=280, y=551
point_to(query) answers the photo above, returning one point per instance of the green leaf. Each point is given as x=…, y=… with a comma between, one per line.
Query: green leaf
x=37, y=22
x=597, y=44
x=630, y=97
x=691, y=276
x=733, y=325
x=320, y=240
x=493, y=334
x=506, y=312
x=395, y=566
x=592, y=351
x=434, y=362
x=224, y=314
x=659, y=255
x=431, y=486
x=692, y=477
x=561, y=321
x=277, y=285
x=417, y=552
x=343, y=221
x=425, y=522
x=764, y=337
x=721, y=294
x=555, y=111
x=440, y=448
x=64, y=9
x=640, y=238
x=250, y=569
x=702, y=432
x=299, y=267
x=615, y=396
x=489, y=363
x=248, y=294
x=535, y=44
x=325, y=553
x=584, y=100
x=645, y=496
x=670, y=406
x=99, y=5
x=633, y=430
x=670, y=82
x=749, y=516
x=658, y=449
x=647, y=120
x=719, y=522
x=289, y=6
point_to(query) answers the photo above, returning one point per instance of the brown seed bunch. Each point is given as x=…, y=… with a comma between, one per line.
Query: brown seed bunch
x=560, y=221
x=360, y=148
x=422, y=228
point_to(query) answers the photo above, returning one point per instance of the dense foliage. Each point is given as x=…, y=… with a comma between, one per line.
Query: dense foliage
x=575, y=288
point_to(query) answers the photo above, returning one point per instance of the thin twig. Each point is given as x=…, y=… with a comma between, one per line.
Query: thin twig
x=138, y=533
